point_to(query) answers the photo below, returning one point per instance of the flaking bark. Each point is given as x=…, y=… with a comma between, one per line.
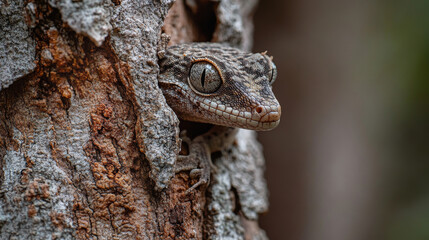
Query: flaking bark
x=88, y=144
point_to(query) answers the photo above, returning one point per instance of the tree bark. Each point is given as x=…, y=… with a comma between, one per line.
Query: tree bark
x=88, y=143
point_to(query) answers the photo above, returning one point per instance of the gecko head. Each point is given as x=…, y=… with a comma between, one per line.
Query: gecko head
x=213, y=83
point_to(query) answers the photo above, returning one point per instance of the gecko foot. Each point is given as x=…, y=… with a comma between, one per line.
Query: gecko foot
x=198, y=161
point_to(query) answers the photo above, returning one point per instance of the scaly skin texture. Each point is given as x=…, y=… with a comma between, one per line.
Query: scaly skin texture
x=245, y=98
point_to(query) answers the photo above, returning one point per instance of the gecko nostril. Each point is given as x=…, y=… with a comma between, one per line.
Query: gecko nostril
x=259, y=109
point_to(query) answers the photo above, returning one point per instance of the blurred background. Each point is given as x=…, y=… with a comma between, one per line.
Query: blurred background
x=350, y=158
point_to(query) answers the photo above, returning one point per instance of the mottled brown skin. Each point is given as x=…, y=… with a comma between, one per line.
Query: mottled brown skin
x=244, y=98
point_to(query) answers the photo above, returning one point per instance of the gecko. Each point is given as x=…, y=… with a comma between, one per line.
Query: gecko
x=219, y=85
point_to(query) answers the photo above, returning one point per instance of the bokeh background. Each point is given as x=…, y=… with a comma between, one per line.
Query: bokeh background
x=350, y=158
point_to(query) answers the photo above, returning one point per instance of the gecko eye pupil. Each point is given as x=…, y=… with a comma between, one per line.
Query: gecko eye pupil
x=204, y=77
x=273, y=73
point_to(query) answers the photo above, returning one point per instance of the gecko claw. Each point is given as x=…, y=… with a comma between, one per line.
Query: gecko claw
x=204, y=182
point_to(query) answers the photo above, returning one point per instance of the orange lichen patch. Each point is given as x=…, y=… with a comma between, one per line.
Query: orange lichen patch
x=60, y=51
x=24, y=175
x=108, y=111
x=123, y=180
x=127, y=202
x=83, y=219
x=107, y=150
x=102, y=204
x=104, y=109
x=103, y=176
x=44, y=188
x=29, y=162
x=31, y=211
x=31, y=191
x=62, y=85
x=107, y=178
x=37, y=191
x=111, y=152
x=58, y=219
x=105, y=184
x=105, y=71
x=96, y=122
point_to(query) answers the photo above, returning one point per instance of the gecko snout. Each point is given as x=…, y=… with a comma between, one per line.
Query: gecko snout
x=266, y=113
x=267, y=116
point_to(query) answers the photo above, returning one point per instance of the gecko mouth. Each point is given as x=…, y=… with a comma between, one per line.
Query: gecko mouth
x=259, y=118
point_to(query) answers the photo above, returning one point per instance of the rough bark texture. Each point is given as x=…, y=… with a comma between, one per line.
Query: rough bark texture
x=88, y=143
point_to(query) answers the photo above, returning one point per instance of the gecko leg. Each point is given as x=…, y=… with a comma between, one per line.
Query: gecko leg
x=198, y=161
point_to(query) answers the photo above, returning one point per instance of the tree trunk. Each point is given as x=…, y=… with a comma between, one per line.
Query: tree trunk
x=88, y=143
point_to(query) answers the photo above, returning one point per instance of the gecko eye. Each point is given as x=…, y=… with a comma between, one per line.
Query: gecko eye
x=204, y=77
x=273, y=73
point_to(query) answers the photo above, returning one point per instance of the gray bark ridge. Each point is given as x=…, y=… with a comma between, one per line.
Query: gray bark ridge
x=135, y=42
x=17, y=46
x=89, y=18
